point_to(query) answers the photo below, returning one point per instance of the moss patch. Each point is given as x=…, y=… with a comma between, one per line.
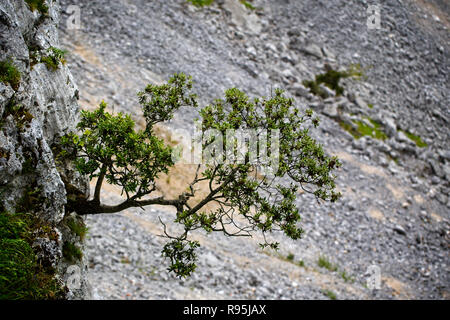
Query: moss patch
x=38, y=5
x=373, y=131
x=331, y=79
x=323, y=262
x=330, y=294
x=9, y=74
x=346, y=277
x=248, y=5
x=201, y=3
x=54, y=58
x=21, y=115
x=362, y=129
x=22, y=276
x=71, y=252
x=78, y=227
x=4, y=153
x=417, y=140
x=30, y=200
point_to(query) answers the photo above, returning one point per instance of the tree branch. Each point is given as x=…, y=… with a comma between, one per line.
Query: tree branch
x=91, y=207
x=98, y=186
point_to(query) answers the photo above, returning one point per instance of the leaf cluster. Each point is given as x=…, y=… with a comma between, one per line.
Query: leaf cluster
x=38, y=5
x=54, y=57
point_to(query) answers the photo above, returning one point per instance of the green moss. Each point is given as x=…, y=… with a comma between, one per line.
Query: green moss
x=54, y=58
x=370, y=105
x=29, y=165
x=362, y=129
x=330, y=294
x=71, y=252
x=315, y=88
x=201, y=3
x=417, y=140
x=78, y=227
x=373, y=131
x=21, y=115
x=346, y=277
x=331, y=79
x=350, y=129
x=4, y=153
x=290, y=257
x=38, y=5
x=22, y=275
x=9, y=74
x=34, y=59
x=323, y=262
x=248, y=5
x=301, y=263
x=30, y=200
x=50, y=63
x=395, y=159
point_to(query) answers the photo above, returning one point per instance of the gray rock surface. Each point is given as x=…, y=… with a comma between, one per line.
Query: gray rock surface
x=28, y=163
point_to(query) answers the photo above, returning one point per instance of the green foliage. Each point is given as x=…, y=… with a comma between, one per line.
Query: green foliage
x=416, y=139
x=38, y=5
x=109, y=144
x=9, y=74
x=182, y=256
x=201, y=3
x=33, y=55
x=22, y=276
x=159, y=102
x=301, y=263
x=330, y=294
x=290, y=257
x=346, y=277
x=372, y=130
x=28, y=166
x=248, y=5
x=54, y=58
x=21, y=115
x=71, y=252
x=31, y=197
x=78, y=227
x=4, y=153
x=323, y=262
x=331, y=79
x=369, y=128
x=108, y=147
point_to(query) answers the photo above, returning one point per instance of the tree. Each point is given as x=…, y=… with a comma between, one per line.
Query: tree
x=108, y=147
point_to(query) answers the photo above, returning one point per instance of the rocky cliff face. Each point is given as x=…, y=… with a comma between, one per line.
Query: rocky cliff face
x=34, y=113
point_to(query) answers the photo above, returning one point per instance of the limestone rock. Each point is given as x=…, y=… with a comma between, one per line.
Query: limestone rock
x=48, y=110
